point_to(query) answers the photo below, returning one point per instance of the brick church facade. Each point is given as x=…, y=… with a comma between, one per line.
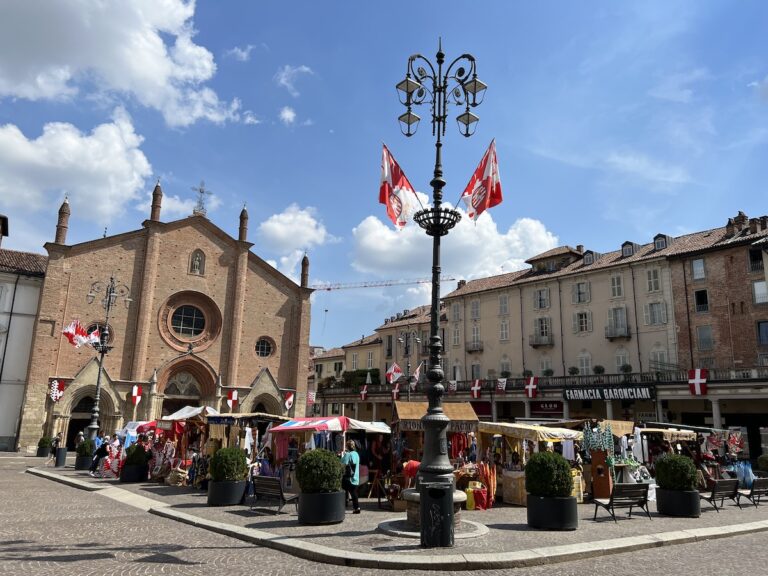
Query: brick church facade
x=197, y=315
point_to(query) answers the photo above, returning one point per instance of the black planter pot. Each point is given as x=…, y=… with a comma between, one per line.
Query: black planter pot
x=225, y=492
x=61, y=457
x=83, y=462
x=684, y=503
x=43, y=451
x=134, y=473
x=323, y=508
x=556, y=513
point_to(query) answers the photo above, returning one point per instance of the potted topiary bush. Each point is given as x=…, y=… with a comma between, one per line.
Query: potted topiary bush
x=136, y=464
x=548, y=372
x=676, y=494
x=84, y=454
x=573, y=371
x=321, y=500
x=549, y=484
x=762, y=466
x=44, y=446
x=228, y=469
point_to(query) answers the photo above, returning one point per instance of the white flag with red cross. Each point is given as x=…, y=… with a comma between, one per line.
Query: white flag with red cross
x=364, y=392
x=232, y=399
x=289, y=396
x=532, y=387
x=57, y=390
x=501, y=385
x=310, y=397
x=476, y=389
x=697, y=381
x=396, y=391
x=136, y=395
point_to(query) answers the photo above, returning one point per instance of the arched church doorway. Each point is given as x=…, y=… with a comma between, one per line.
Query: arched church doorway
x=79, y=420
x=182, y=389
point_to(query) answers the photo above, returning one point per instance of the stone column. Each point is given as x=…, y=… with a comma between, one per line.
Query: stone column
x=527, y=408
x=145, y=297
x=373, y=411
x=659, y=410
x=357, y=405
x=566, y=410
x=494, y=411
x=717, y=419
x=609, y=409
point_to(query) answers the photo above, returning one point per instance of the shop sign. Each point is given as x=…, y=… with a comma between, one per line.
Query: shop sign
x=547, y=407
x=454, y=426
x=639, y=392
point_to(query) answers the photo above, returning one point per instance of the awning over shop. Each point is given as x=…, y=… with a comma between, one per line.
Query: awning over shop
x=234, y=418
x=332, y=424
x=463, y=418
x=618, y=427
x=189, y=412
x=670, y=434
x=529, y=431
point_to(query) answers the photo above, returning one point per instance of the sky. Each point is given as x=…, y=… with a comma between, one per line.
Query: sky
x=613, y=121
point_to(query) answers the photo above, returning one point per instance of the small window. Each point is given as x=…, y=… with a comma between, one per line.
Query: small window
x=704, y=337
x=188, y=321
x=264, y=347
x=545, y=363
x=370, y=360
x=655, y=313
x=505, y=367
x=541, y=299
x=627, y=250
x=697, y=269
x=621, y=358
x=589, y=258
x=455, y=312
x=760, y=292
x=582, y=322
x=354, y=360
x=654, y=282
x=475, y=309
x=580, y=293
x=455, y=340
x=541, y=326
x=503, y=304
x=660, y=243
x=504, y=330
x=755, y=261
x=617, y=286
x=475, y=371
x=701, y=298
x=585, y=364
x=475, y=335
x=762, y=333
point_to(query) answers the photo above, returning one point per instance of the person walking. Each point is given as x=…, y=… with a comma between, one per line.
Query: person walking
x=54, y=446
x=351, y=478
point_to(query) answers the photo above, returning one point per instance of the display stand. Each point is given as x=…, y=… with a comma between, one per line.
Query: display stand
x=602, y=481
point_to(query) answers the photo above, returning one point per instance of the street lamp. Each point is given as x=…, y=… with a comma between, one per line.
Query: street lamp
x=407, y=339
x=426, y=84
x=112, y=292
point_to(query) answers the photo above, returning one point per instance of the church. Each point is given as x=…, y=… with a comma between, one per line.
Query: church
x=195, y=318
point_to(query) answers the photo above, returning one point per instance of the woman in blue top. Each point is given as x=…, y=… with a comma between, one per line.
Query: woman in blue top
x=350, y=482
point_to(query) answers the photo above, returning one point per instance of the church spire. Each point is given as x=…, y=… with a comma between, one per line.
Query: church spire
x=63, y=224
x=157, y=201
x=243, y=235
x=305, y=271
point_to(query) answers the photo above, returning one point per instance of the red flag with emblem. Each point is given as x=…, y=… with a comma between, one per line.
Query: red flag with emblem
x=452, y=386
x=484, y=188
x=532, y=387
x=136, y=395
x=57, y=390
x=289, y=396
x=394, y=373
x=396, y=191
x=310, y=397
x=232, y=399
x=501, y=385
x=697, y=381
x=476, y=389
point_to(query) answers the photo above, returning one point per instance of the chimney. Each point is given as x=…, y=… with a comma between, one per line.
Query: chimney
x=391, y=318
x=386, y=321
x=461, y=284
x=406, y=312
x=243, y=235
x=305, y=271
x=763, y=222
x=740, y=220
x=157, y=200
x=729, y=228
x=63, y=224
x=3, y=227
x=399, y=315
x=580, y=248
x=753, y=225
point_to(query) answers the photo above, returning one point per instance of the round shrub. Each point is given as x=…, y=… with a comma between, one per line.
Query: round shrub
x=135, y=455
x=549, y=475
x=319, y=471
x=228, y=464
x=675, y=472
x=762, y=462
x=45, y=442
x=86, y=447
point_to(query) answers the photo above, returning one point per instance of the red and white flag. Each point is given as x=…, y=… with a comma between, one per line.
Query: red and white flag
x=416, y=375
x=396, y=391
x=57, y=390
x=484, y=188
x=136, y=395
x=697, y=381
x=232, y=399
x=77, y=335
x=452, y=386
x=394, y=373
x=310, y=397
x=364, y=392
x=532, y=387
x=501, y=385
x=396, y=191
x=289, y=396
x=476, y=389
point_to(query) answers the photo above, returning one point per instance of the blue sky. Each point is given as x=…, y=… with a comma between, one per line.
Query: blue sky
x=613, y=120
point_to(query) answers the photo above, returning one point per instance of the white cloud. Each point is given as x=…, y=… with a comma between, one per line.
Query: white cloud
x=293, y=230
x=241, y=54
x=677, y=87
x=250, y=118
x=469, y=251
x=54, y=51
x=287, y=115
x=101, y=172
x=287, y=75
x=647, y=168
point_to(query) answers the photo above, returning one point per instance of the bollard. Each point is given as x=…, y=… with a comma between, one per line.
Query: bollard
x=436, y=514
x=61, y=457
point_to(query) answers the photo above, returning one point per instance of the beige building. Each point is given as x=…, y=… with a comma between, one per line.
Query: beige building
x=197, y=315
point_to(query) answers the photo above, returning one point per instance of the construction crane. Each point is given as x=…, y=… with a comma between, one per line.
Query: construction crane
x=376, y=283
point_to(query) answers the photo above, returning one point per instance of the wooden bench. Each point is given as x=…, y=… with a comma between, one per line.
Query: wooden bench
x=624, y=496
x=270, y=488
x=758, y=490
x=720, y=491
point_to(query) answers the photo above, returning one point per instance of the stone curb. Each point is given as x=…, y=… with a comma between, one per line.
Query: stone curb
x=319, y=553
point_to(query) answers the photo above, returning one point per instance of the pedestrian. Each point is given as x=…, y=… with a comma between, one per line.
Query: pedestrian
x=80, y=439
x=100, y=453
x=54, y=446
x=351, y=478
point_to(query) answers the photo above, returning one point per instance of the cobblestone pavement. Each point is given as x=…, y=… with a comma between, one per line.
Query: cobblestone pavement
x=49, y=528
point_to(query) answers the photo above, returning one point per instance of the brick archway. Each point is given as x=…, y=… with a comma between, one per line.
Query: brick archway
x=201, y=370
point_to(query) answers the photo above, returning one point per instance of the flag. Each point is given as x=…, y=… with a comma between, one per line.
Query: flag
x=364, y=392
x=452, y=386
x=57, y=390
x=484, y=188
x=476, y=388
x=289, y=400
x=232, y=399
x=394, y=373
x=395, y=191
x=697, y=381
x=310, y=397
x=416, y=375
x=136, y=395
x=501, y=385
x=77, y=335
x=396, y=391
x=531, y=387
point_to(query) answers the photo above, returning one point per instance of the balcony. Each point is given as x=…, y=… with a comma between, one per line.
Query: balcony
x=475, y=346
x=536, y=340
x=617, y=332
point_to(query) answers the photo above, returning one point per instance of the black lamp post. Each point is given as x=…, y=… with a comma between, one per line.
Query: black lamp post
x=428, y=84
x=407, y=339
x=112, y=293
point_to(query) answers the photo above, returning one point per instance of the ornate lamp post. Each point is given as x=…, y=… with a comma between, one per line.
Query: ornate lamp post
x=427, y=83
x=112, y=292
x=407, y=339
